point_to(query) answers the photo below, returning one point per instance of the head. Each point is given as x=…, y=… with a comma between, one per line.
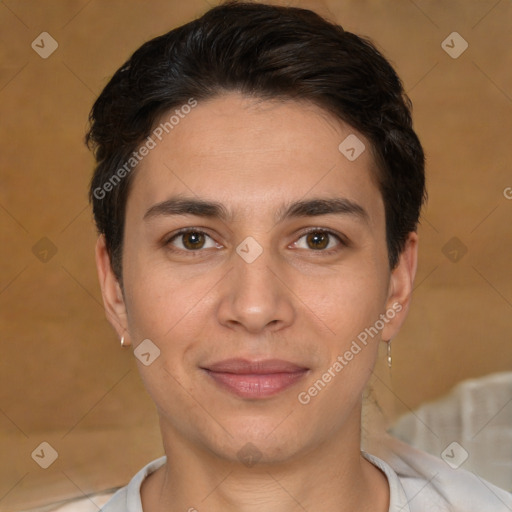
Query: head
x=284, y=145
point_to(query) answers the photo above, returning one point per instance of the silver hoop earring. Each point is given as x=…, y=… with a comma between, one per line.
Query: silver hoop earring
x=389, y=354
x=122, y=341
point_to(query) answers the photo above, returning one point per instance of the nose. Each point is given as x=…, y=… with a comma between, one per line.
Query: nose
x=255, y=296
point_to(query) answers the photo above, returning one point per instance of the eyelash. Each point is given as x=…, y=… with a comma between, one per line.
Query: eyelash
x=167, y=241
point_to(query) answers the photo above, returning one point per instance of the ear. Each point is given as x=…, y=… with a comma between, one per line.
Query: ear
x=400, y=287
x=111, y=292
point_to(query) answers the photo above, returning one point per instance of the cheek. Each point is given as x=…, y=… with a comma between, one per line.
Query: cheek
x=349, y=311
x=161, y=303
x=347, y=300
x=158, y=296
x=167, y=309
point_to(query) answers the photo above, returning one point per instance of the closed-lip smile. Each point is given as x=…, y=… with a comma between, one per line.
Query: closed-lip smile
x=255, y=378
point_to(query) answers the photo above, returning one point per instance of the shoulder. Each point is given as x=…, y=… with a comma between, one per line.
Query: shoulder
x=127, y=499
x=118, y=502
x=429, y=481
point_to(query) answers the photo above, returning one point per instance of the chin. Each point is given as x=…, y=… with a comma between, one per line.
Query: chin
x=259, y=440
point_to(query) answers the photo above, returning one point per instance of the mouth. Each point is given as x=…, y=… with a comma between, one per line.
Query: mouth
x=255, y=379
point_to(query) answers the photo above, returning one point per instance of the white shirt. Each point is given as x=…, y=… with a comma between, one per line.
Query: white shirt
x=418, y=482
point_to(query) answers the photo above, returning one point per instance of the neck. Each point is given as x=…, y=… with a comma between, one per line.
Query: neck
x=333, y=474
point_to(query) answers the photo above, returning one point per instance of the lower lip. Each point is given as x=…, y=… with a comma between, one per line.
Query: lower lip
x=256, y=385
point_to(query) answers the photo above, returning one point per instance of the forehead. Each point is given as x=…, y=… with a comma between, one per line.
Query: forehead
x=253, y=155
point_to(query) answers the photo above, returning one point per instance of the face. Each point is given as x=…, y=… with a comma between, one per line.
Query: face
x=268, y=303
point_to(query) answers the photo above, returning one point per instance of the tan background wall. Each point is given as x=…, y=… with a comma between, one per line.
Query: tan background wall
x=63, y=377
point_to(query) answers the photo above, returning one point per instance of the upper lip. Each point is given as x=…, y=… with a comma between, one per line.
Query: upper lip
x=254, y=367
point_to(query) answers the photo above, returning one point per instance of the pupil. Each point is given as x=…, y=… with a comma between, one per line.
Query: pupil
x=192, y=240
x=318, y=239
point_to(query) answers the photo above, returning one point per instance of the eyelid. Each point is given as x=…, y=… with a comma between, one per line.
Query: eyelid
x=169, y=238
x=341, y=238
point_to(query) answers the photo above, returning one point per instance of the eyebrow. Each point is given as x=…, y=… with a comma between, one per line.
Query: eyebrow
x=301, y=208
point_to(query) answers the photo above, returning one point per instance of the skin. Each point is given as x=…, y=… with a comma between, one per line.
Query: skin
x=294, y=302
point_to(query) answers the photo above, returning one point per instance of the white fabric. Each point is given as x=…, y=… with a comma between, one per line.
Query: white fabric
x=418, y=482
x=477, y=414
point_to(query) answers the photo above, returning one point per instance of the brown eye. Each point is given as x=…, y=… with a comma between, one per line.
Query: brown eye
x=193, y=240
x=317, y=240
x=190, y=240
x=320, y=240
